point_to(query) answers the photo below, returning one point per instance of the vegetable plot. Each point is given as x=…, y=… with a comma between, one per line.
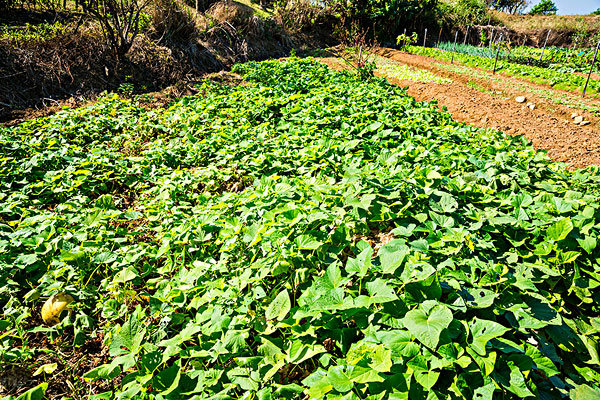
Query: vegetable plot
x=304, y=234
x=557, y=78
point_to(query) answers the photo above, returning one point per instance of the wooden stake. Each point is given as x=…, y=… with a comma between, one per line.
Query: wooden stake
x=424, y=39
x=466, y=35
x=497, y=53
x=591, y=68
x=546, y=41
x=453, y=47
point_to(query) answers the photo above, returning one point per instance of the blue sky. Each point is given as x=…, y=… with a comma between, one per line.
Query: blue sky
x=567, y=7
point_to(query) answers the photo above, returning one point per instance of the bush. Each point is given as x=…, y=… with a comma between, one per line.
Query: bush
x=404, y=40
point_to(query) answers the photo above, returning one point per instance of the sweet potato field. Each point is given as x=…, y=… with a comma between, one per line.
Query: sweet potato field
x=303, y=234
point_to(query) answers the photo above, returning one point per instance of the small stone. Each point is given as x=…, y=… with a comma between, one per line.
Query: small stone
x=531, y=106
x=584, y=123
x=573, y=115
x=520, y=99
x=578, y=119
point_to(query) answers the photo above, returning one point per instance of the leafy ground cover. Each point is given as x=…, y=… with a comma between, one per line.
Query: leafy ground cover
x=32, y=33
x=305, y=233
x=556, y=78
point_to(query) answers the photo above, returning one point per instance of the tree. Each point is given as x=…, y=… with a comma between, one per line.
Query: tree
x=597, y=12
x=545, y=7
x=510, y=6
x=119, y=19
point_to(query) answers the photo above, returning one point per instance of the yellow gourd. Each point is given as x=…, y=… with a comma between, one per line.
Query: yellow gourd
x=54, y=307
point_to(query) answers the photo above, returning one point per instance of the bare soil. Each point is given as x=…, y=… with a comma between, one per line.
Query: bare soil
x=485, y=100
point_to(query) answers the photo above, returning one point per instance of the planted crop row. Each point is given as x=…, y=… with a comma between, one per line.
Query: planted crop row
x=305, y=234
x=405, y=72
x=555, y=78
x=487, y=52
x=559, y=59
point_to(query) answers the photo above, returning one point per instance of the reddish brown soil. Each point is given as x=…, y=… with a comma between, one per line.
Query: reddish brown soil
x=549, y=126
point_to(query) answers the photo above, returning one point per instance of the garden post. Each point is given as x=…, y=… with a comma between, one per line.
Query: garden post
x=545, y=42
x=466, y=35
x=424, y=39
x=497, y=53
x=453, y=47
x=591, y=68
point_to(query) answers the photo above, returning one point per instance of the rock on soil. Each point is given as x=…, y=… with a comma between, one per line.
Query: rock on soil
x=520, y=99
x=584, y=123
x=531, y=106
x=578, y=120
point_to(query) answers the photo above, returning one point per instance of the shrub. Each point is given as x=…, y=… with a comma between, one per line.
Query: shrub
x=404, y=40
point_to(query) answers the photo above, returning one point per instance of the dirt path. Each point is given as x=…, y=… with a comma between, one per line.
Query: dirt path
x=484, y=100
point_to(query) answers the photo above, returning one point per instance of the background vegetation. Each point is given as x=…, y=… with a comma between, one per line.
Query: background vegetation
x=58, y=49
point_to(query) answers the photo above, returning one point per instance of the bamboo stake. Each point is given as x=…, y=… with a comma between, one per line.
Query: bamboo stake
x=545, y=42
x=497, y=53
x=591, y=68
x=453, y=47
